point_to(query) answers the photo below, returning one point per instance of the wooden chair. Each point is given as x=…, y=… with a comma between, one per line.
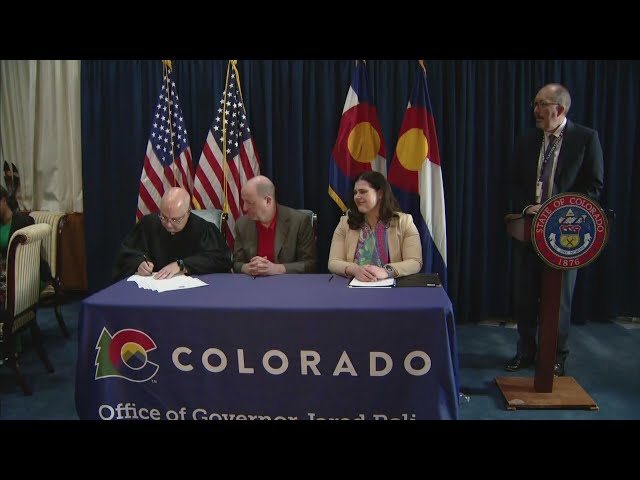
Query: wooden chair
x=52, y=253
x=23, y=295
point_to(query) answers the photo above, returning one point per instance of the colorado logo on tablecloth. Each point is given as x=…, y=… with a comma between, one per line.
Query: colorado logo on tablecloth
x=569, y=231
x=125, y=355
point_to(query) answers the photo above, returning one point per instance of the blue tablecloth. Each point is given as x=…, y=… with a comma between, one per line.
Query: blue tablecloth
x=283, y=347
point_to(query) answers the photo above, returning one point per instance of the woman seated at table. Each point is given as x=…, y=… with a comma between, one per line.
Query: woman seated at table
x=375, y=240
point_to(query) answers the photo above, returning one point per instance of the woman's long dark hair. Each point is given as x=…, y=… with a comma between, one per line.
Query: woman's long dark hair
x=11, y=200
x=388, y=204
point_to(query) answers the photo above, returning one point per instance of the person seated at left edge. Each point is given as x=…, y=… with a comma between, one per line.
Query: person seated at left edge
x=173, y=242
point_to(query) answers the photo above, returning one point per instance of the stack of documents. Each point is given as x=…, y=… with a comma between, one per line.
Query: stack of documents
x=386, y=283
x=178, y=282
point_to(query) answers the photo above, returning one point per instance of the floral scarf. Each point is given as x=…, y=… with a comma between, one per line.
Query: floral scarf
x=372, y=248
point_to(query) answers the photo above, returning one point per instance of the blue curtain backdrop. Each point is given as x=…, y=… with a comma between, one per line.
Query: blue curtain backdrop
x=294, y=109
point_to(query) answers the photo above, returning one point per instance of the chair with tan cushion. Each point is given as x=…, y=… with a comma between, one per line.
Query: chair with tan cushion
x=213, y=215
x=52, y=253
x=23, y=295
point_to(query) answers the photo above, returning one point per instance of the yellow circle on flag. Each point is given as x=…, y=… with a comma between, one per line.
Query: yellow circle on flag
x=412, y=149
x=363, y=142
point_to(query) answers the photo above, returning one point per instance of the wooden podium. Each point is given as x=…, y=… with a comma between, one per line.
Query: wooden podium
x=543, y=390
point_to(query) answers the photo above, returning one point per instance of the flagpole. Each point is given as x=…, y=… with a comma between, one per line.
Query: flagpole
x=166, y=68
x=225, y=167
x=233, y=64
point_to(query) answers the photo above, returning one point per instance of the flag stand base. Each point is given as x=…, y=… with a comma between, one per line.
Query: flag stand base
x=519, y=393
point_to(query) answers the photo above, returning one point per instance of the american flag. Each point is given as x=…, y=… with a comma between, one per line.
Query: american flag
x=229, y=135
x=168, y=141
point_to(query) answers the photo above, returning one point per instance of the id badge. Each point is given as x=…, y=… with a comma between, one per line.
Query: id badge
x=538, y=191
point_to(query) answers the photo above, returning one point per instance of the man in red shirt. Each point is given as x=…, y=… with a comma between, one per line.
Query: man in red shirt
x=270, y=238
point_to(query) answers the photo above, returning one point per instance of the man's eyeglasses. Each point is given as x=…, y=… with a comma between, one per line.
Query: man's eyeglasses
x=175, y=221
x=541, y=104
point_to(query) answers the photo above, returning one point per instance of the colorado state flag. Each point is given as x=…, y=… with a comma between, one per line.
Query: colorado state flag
x=416, y=176
x=360, y=145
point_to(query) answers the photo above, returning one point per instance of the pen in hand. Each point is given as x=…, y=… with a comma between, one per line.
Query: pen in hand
x=149, y=264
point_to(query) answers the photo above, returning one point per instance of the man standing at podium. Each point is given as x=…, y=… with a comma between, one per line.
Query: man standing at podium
x=558, y=156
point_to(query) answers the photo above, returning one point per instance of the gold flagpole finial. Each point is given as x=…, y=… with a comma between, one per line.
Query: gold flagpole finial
x=167, y=64
x=424, y=69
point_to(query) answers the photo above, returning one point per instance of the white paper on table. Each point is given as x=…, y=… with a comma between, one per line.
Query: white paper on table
x=179, y=282
x=385, y=283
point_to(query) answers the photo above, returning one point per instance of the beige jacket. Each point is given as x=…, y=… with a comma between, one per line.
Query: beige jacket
x=405, y=249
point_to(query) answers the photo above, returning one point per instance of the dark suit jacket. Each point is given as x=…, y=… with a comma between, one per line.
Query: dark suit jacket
x=580, y=166
x=295, y=244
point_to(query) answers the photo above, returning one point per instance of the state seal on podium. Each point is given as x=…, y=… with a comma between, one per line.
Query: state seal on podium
x=569, y=231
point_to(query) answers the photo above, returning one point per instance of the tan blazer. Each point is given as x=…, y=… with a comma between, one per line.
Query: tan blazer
x=405, y=249
x=294, y=245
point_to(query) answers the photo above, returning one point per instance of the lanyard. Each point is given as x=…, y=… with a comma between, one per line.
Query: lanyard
x=546, y=156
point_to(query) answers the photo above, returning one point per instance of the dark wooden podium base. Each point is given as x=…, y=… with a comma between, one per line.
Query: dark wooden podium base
x=567, y=393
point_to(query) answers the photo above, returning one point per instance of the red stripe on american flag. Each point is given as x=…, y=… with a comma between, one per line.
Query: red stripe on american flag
x=216, y=193
x=235, y=177
x=234, y=208
x=152, y=174
x=171, y=180
x=185, y=168
x=246, y=163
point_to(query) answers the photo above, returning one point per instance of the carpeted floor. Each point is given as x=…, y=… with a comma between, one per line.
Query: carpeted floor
x=605, y=360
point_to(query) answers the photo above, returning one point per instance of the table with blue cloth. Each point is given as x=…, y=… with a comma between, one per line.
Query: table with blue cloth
x=294, y=347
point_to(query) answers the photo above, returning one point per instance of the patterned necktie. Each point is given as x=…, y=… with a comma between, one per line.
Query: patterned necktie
x=547, y=167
